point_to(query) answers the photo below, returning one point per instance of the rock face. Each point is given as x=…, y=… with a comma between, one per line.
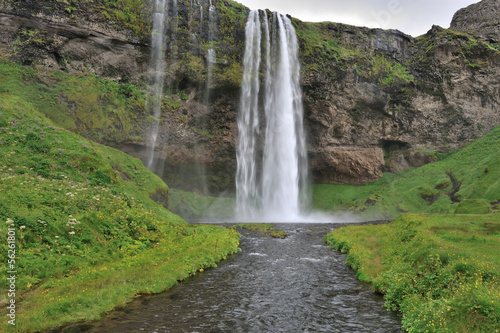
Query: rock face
x=111, y=54
x=374, y=100
x=481, y=20
x=348, y=164
x=397, y=94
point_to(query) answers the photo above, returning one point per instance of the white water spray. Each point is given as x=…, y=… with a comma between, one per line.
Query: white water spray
x=157, y=76
x=247, y=189
x=271, y=190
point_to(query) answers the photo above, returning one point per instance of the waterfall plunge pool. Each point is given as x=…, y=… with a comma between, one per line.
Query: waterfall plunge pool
x=296, y=284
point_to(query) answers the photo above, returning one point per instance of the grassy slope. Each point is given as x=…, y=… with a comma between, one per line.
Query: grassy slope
x=86, y=227
x=441, y=271
x=426, y=189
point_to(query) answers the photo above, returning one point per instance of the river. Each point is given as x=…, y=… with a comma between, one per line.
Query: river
x=296, y=284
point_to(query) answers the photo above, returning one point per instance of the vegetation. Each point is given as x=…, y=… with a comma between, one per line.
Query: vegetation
x=263, y=228
x=131, y=15
x=464, y=181
x=324, y=48
x=86, y=225
x=101, y=110
x=442, y=272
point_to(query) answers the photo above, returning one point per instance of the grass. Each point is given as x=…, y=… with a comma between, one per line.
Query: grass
x=440, y=271
x=101, y=110
x=465, y=181
x=86, y=224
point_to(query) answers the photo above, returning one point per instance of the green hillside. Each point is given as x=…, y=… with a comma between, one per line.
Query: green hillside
x=464, y=181
x=89, y=220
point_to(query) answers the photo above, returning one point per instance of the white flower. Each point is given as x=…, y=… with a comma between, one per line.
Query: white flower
x=22, y=227
x=71, y=233
x=57, y=236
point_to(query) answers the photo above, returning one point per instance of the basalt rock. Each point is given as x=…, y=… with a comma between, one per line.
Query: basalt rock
x=375, y=100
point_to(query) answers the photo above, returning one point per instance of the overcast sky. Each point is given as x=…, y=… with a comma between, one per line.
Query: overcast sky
x=414, y=17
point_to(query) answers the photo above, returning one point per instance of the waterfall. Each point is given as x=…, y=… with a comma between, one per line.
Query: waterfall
x=271, y=190
x=248, y=123
x=200, y=179
x=211, y=55
x=157, y=77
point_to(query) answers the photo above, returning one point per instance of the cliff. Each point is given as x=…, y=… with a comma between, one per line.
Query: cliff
x=374, y=100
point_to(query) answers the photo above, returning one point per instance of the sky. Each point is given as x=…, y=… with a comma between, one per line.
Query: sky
x=413, y=17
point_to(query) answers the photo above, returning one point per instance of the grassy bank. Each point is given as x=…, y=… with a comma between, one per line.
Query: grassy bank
x=91, y=227
x=440, y=271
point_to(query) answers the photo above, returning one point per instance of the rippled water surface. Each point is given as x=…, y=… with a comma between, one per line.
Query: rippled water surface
x=291, y=285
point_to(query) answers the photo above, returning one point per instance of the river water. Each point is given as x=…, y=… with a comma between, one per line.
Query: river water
x=295, y=284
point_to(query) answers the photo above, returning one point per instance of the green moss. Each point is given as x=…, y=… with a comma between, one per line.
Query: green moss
x=130, y=15
x=230, y=75
x=100, y=109
x=389, y=72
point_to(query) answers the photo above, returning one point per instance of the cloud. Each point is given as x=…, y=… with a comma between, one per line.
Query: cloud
x=410, y=16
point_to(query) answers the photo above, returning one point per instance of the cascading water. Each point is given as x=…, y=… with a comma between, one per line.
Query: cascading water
x=200, y=182
x=157, y=77
x=247, y=190
x=211, y=55
x=271, y=190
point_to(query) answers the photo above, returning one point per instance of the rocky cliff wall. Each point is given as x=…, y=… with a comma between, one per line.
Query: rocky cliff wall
x=374, y=100
x=481, y=20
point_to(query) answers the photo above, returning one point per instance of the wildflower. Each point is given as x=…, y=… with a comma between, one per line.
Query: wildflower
x=71, y=232
x=22, y=227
